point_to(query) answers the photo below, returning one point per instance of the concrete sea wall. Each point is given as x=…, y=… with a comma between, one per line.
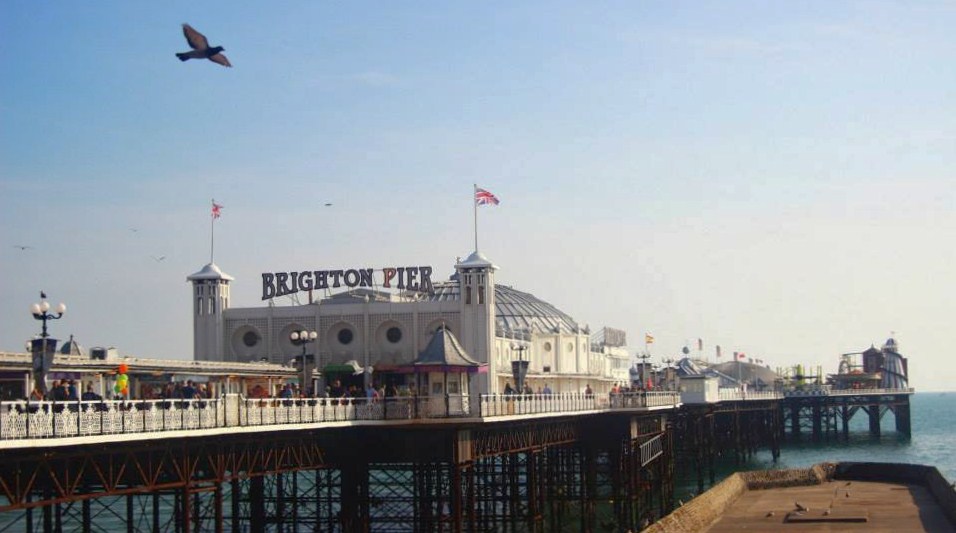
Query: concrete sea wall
x=704, y=510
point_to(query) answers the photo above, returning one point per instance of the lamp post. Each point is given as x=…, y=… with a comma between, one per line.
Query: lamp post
x=302, y=338
x=519, y=367
x=44, y=347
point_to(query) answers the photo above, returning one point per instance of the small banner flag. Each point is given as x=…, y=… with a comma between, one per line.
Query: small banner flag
x=741, y=355
x=216, y=210
x=648, y=338
x=483, y=197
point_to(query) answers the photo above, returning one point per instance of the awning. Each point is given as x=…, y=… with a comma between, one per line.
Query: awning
x=348, y=367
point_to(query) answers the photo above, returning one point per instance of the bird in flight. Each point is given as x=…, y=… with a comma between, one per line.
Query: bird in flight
x=22, y=247
x=328, y=205
x=158, y=259
x=201, y=49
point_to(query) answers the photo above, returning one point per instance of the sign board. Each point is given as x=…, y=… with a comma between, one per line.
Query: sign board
x=409, y=278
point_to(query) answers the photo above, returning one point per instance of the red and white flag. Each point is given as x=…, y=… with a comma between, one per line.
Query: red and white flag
x=483, y=197
x=216, y=210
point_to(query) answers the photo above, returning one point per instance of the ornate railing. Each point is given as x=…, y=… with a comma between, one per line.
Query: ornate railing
x=531, y=404
x=643, y=400
x=846, y=392
x=739, y=395
x=21, y=420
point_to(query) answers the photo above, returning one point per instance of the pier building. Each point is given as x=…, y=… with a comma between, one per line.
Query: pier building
x=367, y=334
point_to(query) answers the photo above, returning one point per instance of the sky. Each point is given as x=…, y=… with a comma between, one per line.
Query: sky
x=770, y=177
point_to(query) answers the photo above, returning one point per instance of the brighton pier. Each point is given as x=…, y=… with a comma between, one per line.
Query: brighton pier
x=470, y=407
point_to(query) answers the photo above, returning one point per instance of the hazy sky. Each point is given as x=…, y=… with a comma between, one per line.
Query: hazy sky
x=774, y=178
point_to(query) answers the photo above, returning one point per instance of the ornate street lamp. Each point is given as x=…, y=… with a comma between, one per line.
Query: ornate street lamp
x=44, y=347
x=307, y=362
x=519, y=367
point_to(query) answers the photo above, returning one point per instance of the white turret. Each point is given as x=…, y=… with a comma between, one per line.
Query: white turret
x=210, y=299
x=476, y=279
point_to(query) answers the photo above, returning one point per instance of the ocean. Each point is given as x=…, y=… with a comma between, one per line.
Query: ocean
x=933, y=442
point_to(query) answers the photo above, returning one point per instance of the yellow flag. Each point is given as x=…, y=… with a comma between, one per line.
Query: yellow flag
x=648, y=338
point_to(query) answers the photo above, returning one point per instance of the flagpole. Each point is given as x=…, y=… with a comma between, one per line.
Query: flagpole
x=474, y=203
x=212, y=233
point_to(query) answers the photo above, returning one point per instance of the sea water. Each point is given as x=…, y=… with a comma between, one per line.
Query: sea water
x=932, y=443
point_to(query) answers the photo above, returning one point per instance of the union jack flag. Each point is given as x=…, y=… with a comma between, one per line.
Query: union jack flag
x=216, y=210
x=483, y=197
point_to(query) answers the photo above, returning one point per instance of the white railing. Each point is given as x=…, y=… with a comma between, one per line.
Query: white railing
x=643, y=400
x=847, y=392
x=46, y=419
x=531, y=404
x=31, y=420
x=739, y=395
x=652, y=449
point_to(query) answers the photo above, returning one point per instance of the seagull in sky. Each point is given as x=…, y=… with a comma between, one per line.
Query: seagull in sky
x=158, y=259
x=201, y=49
x=328, y=205
x=22, y=247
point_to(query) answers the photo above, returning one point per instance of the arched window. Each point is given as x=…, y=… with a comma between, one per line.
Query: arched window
x=467, y=295
x=481, y=295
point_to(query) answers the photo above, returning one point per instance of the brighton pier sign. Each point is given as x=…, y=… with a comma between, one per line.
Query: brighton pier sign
x=410, y=278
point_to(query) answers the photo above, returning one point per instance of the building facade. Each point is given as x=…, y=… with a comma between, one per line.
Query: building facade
x=371, y=335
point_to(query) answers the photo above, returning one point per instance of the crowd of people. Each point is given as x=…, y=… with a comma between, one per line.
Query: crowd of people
x=67, y=390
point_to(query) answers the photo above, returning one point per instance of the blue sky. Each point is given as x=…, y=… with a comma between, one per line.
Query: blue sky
x=773, y=178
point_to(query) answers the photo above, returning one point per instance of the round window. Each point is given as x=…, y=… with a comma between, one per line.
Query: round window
x=393, y=335
x=547, y=346
x=250, y=338
x=345, y=336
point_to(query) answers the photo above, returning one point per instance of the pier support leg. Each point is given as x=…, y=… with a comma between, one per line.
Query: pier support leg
x=817, y=422
x=257, y=504
x=846, y=421
x=795, y=419
x=86, y=526
x=902, y=412
x=874, y=412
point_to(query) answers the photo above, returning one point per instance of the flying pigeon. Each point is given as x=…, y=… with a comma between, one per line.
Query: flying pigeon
x=158, y=259
x=201, y=48
x=22, y=247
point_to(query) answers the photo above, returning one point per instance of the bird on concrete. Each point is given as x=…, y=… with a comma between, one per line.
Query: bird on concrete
x=201, y=48
x=800, y=507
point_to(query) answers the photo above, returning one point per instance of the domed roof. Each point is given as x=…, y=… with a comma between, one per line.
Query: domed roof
x=516, y=310
x=891, y=345
x=210, y=271
x=477, y=260
x=71, y=347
